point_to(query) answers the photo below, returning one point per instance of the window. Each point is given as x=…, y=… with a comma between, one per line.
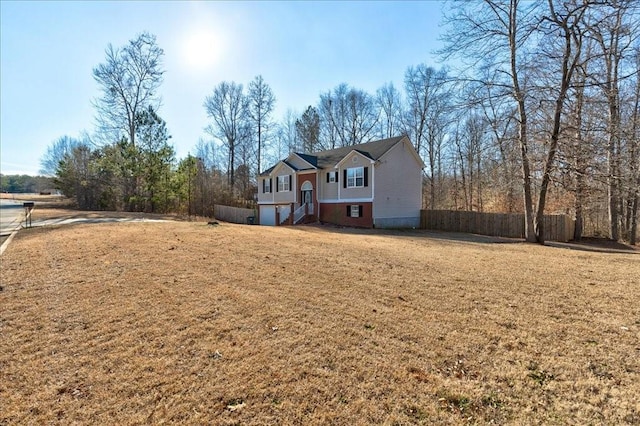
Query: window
x=266, y=185
x=355, y=177
x=284, y=183
x=354, y=211
x=332, y=177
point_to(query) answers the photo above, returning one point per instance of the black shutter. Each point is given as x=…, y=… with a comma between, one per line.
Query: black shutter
x=348, y=211
x=344, y=180
x=366, y=176
x=290, y=188
x=270, y=185
x=328, y=177
x=277, y=181
x=360, y=210
x=263, y=184
x=336, y=173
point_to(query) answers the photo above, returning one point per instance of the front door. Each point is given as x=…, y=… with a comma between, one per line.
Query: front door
x=306, y=196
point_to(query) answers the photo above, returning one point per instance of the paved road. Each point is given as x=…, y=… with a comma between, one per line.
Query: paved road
x=11, y=213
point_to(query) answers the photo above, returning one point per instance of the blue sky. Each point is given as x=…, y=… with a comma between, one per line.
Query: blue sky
x=48, y=51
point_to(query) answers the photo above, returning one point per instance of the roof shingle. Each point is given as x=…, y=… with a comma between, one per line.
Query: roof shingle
x=331, y=157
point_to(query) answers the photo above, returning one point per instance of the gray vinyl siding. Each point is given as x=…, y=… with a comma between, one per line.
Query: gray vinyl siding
x=351, y=193
x=265, y=197
x=328, y=191
x=287, y=196
x=398, y=188
x=298, y=162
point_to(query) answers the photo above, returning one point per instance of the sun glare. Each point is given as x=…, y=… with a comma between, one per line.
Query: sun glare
x=202, y=49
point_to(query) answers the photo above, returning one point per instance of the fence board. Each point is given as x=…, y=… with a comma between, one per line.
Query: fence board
x=511, y=225
x=232, y=214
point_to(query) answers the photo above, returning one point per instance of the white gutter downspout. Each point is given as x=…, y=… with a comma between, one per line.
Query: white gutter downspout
x=340, y=183
x=373, y=191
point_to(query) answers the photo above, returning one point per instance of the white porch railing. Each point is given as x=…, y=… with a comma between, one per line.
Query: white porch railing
x=299, y=213
x=285, y=211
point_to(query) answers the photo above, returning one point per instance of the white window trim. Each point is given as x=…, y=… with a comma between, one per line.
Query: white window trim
x=284, y=179
x=333, y=177
x=354, y=208
x=267, y=186
x=355, y=177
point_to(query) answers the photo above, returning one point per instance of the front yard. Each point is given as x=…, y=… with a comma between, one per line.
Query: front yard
x=127, y=323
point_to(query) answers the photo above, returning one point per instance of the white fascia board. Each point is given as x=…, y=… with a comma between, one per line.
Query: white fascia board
x=337, y=166
x=278, y=165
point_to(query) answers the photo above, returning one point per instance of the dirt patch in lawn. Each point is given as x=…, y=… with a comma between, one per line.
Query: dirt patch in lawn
x=128, y=323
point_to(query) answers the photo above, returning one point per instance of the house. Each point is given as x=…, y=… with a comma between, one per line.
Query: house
x=375, y=184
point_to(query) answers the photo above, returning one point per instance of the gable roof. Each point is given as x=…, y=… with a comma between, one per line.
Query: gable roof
x=329, y=158
x=311, y=159
x=372, y=150
x=272, y=168
x=291, y=166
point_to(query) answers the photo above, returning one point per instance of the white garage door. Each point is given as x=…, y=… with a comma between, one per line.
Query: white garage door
x=268, y=215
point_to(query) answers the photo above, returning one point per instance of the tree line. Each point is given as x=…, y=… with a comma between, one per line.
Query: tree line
x=15, y=184
x=539, y=116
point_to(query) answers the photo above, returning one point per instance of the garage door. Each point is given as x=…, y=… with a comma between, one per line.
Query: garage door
x=268, y=215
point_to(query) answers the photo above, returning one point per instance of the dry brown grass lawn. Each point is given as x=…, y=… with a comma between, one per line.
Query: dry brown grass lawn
x=136, y=323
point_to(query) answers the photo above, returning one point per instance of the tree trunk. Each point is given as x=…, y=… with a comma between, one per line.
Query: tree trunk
x=579, y=157
x=612, y=179
x=569, y=63
x=259, y=144
x=633, y=229
x=529, y=229
x=633, y=164
x=432, y=183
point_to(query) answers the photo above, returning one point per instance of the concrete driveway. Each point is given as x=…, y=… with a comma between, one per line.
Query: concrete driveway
x=11, y=214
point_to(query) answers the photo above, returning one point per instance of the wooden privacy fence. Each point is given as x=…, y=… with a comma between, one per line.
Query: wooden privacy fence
x=232, y=214
x=511, y=225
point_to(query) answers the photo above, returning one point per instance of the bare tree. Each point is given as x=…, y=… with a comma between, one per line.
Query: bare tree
x=287, y=140
x=389, y=102
x=207, y=152
x=575, y=148
x=308, y=129
x=494, y=35
x=499, y=115
x=227, y=107
x=349, y=116
x=469, y=145
x=261, y=102
x=57, y=151
x=426, y=118
x=566, y=24
x=633, y=137
x=328, y=127
x=614, y=28
x=129, y=80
